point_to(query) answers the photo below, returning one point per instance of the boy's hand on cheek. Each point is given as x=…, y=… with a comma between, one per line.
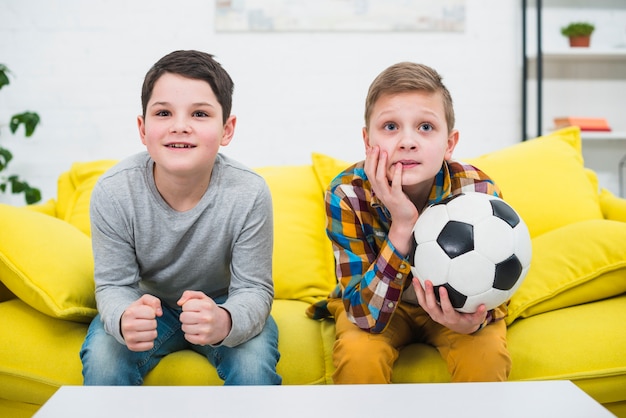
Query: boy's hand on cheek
x=203, y=322
x=138, y=323
x=403, y=212
x=390, y=193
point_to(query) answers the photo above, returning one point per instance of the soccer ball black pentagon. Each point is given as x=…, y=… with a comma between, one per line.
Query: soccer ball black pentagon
x=474, y=244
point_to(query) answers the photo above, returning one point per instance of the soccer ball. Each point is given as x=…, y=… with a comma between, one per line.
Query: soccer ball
x=476, y=246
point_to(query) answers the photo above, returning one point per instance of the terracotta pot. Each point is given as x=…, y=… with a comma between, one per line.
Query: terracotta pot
x=579, y=41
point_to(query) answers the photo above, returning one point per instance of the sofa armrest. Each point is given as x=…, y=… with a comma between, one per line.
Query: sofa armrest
x=613, y=207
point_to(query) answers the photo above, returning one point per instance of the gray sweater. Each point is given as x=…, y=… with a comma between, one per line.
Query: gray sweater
x=221, y=246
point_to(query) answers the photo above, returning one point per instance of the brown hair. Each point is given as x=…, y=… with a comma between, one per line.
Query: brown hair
x=196, y=65
x=405, y=77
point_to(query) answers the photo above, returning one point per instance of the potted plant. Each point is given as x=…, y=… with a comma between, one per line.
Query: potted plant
x=579, y=33
x=30, y=121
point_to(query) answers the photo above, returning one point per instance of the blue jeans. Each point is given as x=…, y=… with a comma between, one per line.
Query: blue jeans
x=107, y=362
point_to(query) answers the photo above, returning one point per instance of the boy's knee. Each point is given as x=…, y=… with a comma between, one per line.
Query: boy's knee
x=251, y=363
x=363, y=360
x=485, y=361
x=247, y=368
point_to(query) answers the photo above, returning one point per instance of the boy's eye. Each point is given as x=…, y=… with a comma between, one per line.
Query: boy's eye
x=427, y=127
x=162, y=113
x=390, y=126
x=200, y=114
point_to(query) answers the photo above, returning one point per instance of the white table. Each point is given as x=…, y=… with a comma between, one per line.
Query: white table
x=461, y=400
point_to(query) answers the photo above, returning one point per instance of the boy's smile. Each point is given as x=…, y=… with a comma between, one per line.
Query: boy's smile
x=183, y=127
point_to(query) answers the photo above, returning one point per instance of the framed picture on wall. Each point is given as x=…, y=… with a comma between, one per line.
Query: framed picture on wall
x=339, y=15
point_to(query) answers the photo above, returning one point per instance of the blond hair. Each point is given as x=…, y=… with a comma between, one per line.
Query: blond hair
x=405, y=77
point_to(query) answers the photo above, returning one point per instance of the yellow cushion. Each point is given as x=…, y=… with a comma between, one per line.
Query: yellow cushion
x=74, y=192
x=303, y=265
x=47, y=263
x=47, y=208
x=544, y=180
x=613, y=207
x=575, y=264
x=326, y=168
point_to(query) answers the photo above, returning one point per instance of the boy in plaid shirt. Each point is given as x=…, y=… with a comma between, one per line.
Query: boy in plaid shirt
x=371, y=209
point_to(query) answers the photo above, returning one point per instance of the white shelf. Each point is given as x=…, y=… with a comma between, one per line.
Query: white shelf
x=598, y=136
x=588, y=54
x=603, y=136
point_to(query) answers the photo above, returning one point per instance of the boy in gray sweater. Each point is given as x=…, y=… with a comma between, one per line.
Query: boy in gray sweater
x=182, y=240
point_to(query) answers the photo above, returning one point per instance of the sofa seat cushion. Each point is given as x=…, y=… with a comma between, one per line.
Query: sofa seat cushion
x=584, y=343
x=305, y=345
x=38, y=353
x=574, y=264
x=15, y=409
x=47, y=263
x=5, y=293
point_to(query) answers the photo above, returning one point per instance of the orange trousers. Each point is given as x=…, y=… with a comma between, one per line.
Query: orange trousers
x=362, y=357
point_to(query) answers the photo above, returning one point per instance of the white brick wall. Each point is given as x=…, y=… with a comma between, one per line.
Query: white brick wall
x=80, y=65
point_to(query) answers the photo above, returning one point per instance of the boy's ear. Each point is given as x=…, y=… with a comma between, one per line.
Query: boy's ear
x=229, y=130
x=366, y=138
x=141, y=125
x=453, y=139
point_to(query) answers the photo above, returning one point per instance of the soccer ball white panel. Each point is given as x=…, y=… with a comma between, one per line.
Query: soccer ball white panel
x=523, y=251
x=470, y=208
x=471, y=273
x=494, y=238
x=475, y=245
x=431, y=264
x=434, y=219
x=490, y=298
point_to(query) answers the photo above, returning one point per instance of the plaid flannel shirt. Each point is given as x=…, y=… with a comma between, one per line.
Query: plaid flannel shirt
x=371, y=273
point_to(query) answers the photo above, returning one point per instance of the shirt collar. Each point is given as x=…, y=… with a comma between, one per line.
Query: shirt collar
x=442, y=186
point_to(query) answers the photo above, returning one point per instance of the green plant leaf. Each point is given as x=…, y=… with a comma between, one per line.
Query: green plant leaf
x=17, y=186
x=28, y=119
x=31, y=194
x=578, y=29
x=4, y=77
x=5, y=157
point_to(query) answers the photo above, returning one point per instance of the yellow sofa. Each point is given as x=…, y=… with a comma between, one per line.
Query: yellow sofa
x=567, y=321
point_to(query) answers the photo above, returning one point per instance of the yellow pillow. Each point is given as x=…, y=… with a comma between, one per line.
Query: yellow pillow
x=47, y=208
x=47, y=263
x=544, y=180
x=303, y=266
x=74, y=192
x=578, y=263
x=326, y=168
x=613, y=207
